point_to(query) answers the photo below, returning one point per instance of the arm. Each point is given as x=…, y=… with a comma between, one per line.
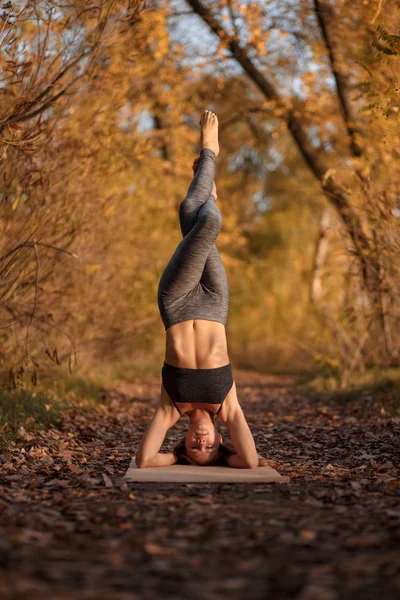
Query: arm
x=164, y=418
x=160, y=460
x=242, y=439
x=236, y=462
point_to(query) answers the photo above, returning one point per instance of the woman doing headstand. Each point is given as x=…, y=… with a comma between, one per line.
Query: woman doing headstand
x=193, y=298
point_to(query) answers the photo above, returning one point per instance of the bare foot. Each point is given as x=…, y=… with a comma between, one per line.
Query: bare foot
x=209, y=131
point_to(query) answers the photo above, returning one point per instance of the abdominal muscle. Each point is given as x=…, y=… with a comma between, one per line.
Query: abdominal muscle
x=196, y=344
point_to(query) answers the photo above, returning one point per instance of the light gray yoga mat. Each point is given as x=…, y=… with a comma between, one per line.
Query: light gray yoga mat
x=196, y=474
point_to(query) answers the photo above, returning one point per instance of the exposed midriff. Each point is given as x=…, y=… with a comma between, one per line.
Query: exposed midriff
x=196, y=344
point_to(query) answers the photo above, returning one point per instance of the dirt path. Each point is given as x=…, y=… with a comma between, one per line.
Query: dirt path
x=70, y=528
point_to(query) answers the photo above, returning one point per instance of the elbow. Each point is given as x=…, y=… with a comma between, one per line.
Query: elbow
x=252, y=464
x=140, y=462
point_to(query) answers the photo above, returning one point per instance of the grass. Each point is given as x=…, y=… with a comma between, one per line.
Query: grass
x=34, y=409
x=377, y=389
x=370, y=378
x=27, y=409
x=38, y=407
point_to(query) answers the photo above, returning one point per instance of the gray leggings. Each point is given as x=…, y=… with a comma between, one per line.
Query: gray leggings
x=194, y=284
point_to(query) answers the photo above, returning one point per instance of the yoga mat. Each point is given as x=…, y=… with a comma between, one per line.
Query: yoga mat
x=197, y=474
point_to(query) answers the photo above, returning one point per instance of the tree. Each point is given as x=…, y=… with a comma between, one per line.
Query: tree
x=341, y=42
x=48, y=51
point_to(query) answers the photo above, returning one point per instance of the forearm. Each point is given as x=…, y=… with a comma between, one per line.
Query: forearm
x=160, y=460
x=236, y=462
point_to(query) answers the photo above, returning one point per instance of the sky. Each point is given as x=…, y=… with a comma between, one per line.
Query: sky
x=188, y=29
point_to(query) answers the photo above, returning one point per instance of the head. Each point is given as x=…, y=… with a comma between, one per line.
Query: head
x=203, y=445
x=202, y=441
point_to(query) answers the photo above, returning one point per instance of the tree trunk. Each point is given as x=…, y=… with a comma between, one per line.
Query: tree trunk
x=336, y=196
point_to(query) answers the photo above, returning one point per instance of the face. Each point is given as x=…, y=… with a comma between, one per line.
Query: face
x=202, y=441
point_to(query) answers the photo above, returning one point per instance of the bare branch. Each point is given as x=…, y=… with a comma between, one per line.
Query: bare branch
x=5, y=21
x=45, y=105
x=378, y=12
x=320, y=253
x=339, y=79
x=19, y=249
x=32, y=244
x=33, y=313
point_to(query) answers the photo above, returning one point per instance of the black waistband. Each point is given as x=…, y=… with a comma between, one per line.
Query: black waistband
x=172, y=367
x=209, y=386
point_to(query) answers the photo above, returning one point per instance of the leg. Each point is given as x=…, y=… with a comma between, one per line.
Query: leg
x=199, y=191
x=194, y=283
x=202, y=184
x=185, y=269
x=214, y=277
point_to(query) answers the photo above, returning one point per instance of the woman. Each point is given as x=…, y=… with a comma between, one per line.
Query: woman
x=193, y=298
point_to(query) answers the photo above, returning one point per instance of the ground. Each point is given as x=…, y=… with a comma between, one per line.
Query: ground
x=71, y=528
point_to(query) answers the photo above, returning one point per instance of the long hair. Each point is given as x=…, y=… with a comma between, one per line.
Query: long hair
x=225, y=449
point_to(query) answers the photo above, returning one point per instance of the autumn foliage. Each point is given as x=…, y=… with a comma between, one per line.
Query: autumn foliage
x=99, y=127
